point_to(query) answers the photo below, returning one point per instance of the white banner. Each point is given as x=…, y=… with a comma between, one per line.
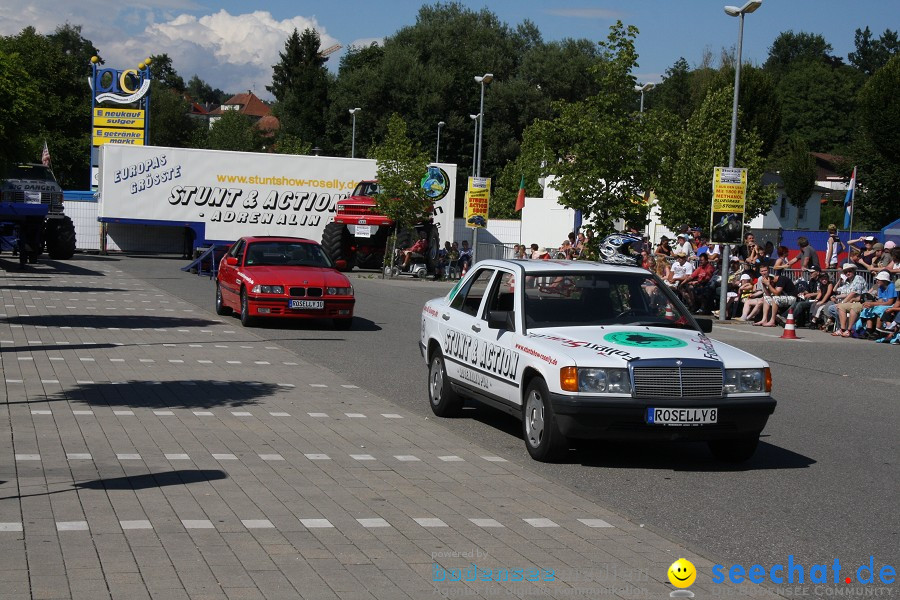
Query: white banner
x=234, y=194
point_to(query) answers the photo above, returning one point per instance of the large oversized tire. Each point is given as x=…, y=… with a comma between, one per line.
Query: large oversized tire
x=434, y=246
x=336, y=244
x=405, y=238
x=543, y=440
x=221, y=309
x=734, y=451
x=246, y=319
x=60, y=236
x=444, y=401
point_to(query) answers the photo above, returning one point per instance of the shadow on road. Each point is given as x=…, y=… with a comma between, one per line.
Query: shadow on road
x=106, y=321
x=154, y=480
x=73, y=289
x=189, y=393
x=288, y=324
x=46, y=347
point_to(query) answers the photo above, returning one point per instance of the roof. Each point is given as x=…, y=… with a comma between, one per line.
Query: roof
x=559, y=266
x=248, y=104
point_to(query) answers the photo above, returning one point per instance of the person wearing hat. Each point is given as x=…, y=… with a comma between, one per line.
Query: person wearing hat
x=867, y=251
x=682, y=245
x=681, y=269
x=663, y=249
x=885, y=296
x=848, y=303
x=880, y=259
x=808, y=293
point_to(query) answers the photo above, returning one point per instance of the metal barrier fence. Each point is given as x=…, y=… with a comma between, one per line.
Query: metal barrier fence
x=487, y=251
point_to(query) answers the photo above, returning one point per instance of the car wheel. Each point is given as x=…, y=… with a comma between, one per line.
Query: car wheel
x=543, y=440
x=246, y=319
x=734, y=451
x=445, y=402
x=221, y=309
x=342, y=324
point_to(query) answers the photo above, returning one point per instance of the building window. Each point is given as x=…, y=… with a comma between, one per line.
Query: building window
x=801, y=211
x=783, y=211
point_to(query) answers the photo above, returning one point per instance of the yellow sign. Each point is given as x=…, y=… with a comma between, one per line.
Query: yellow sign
x=119, y=117
x=478, y=197
x=109, y=135
x=729, y=197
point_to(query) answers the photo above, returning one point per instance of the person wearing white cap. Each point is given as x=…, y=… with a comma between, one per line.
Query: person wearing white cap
x=885, y=296
x=847, y=301
x=868, y=249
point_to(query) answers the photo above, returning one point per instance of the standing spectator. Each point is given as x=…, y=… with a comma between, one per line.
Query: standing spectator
x=847, y=301
x=782, y=262
x=682, y=245
x=778, y=292
x=646, y=245
x=663, y=249
x=808, y=256
x=833, y=248
x=443, y=261
x=885, y=295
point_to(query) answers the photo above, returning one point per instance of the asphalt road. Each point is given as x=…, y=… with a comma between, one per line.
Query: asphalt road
x=824, y=483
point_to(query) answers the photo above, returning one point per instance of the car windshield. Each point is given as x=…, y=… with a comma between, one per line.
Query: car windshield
x=36, y=172
x=576, y=299
x=289, y=254
x=365, y=188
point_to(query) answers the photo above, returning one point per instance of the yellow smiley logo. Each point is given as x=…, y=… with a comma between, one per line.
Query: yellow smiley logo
x=682, y=573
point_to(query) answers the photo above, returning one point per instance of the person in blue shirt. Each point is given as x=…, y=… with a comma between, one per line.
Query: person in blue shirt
x=885, y=295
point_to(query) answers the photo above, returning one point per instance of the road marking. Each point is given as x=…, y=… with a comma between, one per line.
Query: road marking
x=84, y=382
x=595, y=523
x=451, y=458
x=540, y=522
x=373, y=522
x=203, y=413
x=124, y=413
x=261, y=362
x=139, y=524
x=49, y=380
x=197, y=524
x=163, y=413
x=280, y=414
x=82, y=412
x=317, y=456
x=10, y=527
x=318, y=385
x=391, y=416
x=355, y=415
x=224, y=456
x=128, y=456
x=146, y=360
x=71, y=526
x=318, y=415
x=486, y=523
x=429, y=522
x=78, y=456
x=84, y=359
x=257, y=523
x=28, y=457
x=233, y=362
x=362, y=457
x=407, y=458
x=241, y=413
x=176, y=361
x=493, y=459
x=271, y=457
x=177, y=457
x=351, y=387
x=316, y=523
x=287, y=385
x=41, y=412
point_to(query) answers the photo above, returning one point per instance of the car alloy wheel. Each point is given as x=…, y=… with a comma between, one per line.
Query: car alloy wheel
x=444, y=400
x=245, y=309
x=534, y=419
x=543, y=439
x=221, y=309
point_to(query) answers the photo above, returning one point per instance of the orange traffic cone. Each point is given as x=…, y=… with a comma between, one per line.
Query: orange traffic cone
x=789, y=327
x=670, y=314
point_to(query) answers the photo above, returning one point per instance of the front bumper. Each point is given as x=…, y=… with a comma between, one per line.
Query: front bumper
x=278, y=307
x=580, y=417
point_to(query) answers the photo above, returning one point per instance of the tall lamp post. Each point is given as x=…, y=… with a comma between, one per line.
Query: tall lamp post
x=733, y=11
x=644, y=88
x=474, y=143
x=437, y=150
x=483, y=80
x=353, y=112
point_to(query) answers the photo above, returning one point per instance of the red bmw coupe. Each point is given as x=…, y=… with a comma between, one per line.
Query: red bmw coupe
x=282, y=277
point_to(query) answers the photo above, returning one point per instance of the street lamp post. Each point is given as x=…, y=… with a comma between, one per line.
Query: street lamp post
x=644, y=88
x=437, y=150
x=483, y=80
x=474, y=143
x=353, y=112
x=733, y=11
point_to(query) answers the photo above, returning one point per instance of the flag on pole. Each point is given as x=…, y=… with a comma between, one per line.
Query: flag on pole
x=45, y=155
x=848, y=201
x=520, y=199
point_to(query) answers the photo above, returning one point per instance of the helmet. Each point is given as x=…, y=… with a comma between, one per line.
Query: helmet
x=616, y=249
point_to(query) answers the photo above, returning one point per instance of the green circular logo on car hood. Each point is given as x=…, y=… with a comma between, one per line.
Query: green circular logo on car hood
x=642, y=339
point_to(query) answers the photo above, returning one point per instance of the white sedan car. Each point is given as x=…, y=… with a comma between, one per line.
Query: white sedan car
x=582, y=350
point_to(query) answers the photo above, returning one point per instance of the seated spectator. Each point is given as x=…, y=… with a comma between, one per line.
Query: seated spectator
x=867, y=252
x=681, y=269
x=808, y=293
x=565, y=250
x=847, y=304
x=417, y=250
x=682, y=245
x=778, y=292
x=890, y=323
x=663, y=249
x=712, y=252
x=697, y=288
x=753, y=304
x=743, y=289
x=885, y=296
x=465, y=258
x=822, y=300
x=662, y=269
x=781, y=262
x=646, y=261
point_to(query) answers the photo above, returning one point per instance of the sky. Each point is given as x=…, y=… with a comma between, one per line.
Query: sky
x=232, y=44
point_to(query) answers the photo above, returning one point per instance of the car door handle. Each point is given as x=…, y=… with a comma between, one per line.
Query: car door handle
x=476, y=328
x=445, y=317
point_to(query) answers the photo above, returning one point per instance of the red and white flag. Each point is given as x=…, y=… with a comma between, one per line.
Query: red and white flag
x=45, y=155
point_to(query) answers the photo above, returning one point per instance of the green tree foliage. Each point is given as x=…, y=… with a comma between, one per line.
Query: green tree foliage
x=202, y=92
x=170, y=120
x=17, y=104
x=162, y=70
x=288, y=144
x=798, y=172
x=594, y=147
x=760, y=106
x=684, y=189
x=300, y=87
x=790, y=48
x=58, y=67
x=674, y=93
x=872, y=54
x=234, y=131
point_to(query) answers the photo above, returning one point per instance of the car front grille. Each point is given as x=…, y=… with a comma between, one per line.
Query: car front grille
x=300, y=292
x=677, y=382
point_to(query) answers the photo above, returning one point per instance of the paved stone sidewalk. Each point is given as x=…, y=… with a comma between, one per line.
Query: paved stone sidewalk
x=150, y=449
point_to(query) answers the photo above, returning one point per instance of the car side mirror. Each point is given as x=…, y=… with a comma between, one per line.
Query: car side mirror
x=231, y=261
x=705, y=325
x=502, y=319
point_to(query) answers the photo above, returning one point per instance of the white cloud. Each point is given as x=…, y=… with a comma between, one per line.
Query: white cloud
x=585, y=13
x=232, y=52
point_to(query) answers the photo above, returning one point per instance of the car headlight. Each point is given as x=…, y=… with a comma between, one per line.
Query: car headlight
x=268, y=289
x=747, y=381
x=604, y=381
x=340, y=291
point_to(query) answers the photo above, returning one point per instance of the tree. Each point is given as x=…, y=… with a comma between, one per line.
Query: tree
x=400, y=167
x=162, y=71
x=684, y=187
x=790, y=48
x=594, y=147
x=799, y=175
x=17, y=105
x=170, y=120
x=674, y=93
x=234, y=131
x=300, y=87
x=873, y=54
x=202, y=92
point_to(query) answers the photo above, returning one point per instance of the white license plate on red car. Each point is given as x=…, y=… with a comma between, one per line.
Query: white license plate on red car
x=307, y=304
x=682, y=416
